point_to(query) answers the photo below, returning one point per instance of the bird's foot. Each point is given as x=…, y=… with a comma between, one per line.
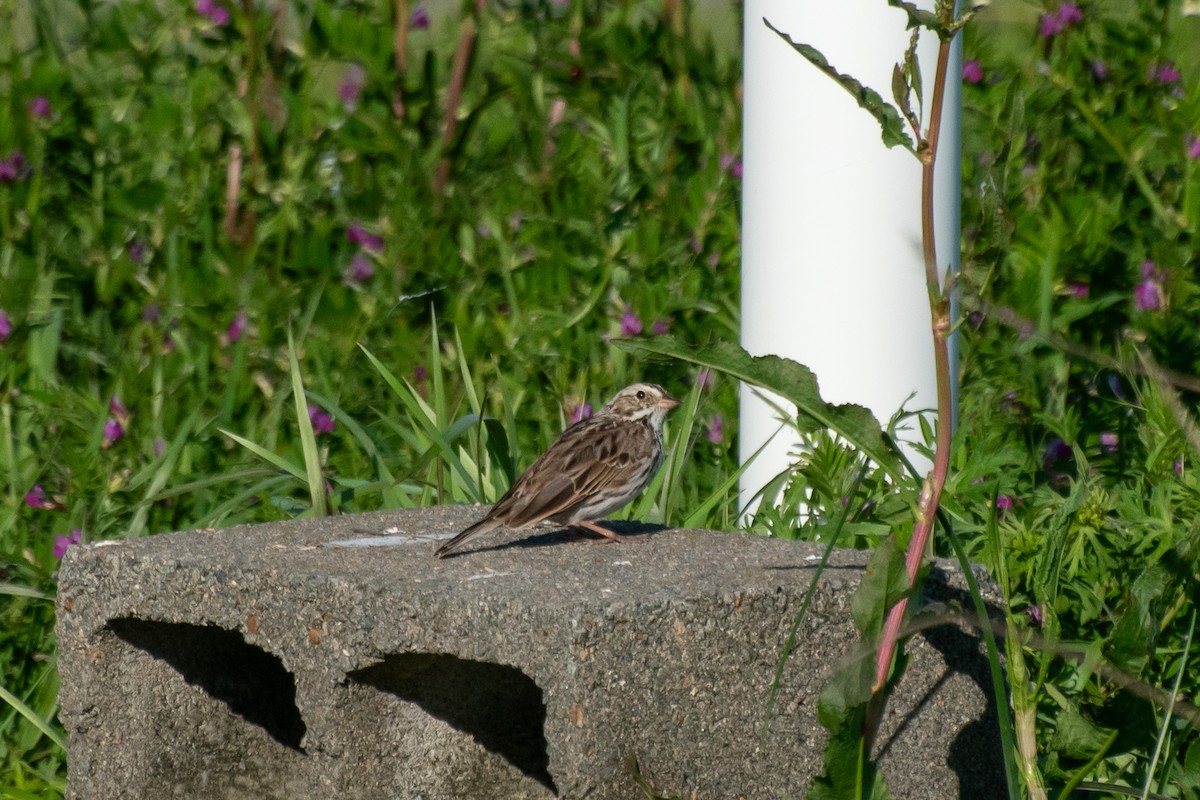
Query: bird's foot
x=608, y=535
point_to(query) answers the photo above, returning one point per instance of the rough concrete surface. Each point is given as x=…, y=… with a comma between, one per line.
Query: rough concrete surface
x=338, y=659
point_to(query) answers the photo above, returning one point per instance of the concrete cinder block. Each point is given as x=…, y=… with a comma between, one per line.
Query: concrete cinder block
x=337, y=658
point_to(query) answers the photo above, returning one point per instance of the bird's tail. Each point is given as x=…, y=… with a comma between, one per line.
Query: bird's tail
x=484, y=525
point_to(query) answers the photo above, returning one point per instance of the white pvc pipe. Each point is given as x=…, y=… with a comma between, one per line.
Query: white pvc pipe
x=832, y=269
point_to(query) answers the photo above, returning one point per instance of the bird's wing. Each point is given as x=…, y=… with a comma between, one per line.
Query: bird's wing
x=585, y=460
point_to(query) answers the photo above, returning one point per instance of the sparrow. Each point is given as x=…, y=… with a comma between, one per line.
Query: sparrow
x=593, y=468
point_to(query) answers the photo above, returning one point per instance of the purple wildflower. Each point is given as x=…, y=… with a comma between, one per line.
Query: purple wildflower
x=704, y=379
x=61, y=543
x=714, y=258
x=972, y=71
x=1193, y=147
x=418, y=20
x=322, y=421
x=119, y=412
x=151, y=313
x=1080, y=290
x=39, y=107
x=10, y=168
x=5, y=326
x=661, y=327
x=351, y=87
x=716, y=430
x=160, y=448
x=1004, y=504
x=112, y=433
x=238, y=326
x=420, y=373
x=1035, y=614
x=216, y=13
x=732, y=164
x=36, y=498
x=1049, y=25
x=136, y=250
x=360, y=270
x=1056, y=451
x=1109, y=441
x=631, y=324
x=358, y=235
x=1165, y=73
x=1070, y=14
x=581, y=412
x=1100, y=70
x=1148, y=295
x=695, y=245
x=1178, y=465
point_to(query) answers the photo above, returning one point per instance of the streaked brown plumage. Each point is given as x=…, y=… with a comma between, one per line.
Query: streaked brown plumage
x=593, y=468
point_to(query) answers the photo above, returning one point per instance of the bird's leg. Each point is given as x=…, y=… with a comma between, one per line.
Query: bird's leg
x=607, y=534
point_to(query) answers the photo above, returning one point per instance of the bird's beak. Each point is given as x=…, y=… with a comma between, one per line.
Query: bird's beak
x=668, y=402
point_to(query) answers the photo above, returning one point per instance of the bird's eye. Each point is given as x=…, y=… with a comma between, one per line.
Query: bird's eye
x=641, y=395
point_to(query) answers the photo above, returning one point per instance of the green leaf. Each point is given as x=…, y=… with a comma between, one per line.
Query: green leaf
x=890, y=122
x=884, y=582
x=1132, y=640
x=849, y=773
x=790, y=380
x=1188, y=773
x=1075, y=735
x=919, y=18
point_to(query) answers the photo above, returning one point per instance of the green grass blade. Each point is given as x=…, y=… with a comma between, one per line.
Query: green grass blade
x=789, y=643
x=266, y=455
x=1168, y=712
x=427, y=420
x=359, y=433
x=29, y=714
x=1004, y=720
x=161, y=474
x=308, y=440
x=217, y=515
x=17, y=590
x=699, y=517
x=203, y=483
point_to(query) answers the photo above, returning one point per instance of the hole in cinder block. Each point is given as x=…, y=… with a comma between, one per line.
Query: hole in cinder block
x=252, y=682
x=499, y=706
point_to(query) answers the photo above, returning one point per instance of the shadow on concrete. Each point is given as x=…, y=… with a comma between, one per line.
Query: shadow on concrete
x=251, y=681
x=975, y=755
x=497, y=705
x=550, y=535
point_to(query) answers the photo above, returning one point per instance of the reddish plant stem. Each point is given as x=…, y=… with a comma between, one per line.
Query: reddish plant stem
x=241, y=230
x=400, y=49
x=233, y=185
x=462, y=60
x=931, y=491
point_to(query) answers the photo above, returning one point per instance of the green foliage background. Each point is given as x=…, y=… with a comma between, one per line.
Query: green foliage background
x=594, y=174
